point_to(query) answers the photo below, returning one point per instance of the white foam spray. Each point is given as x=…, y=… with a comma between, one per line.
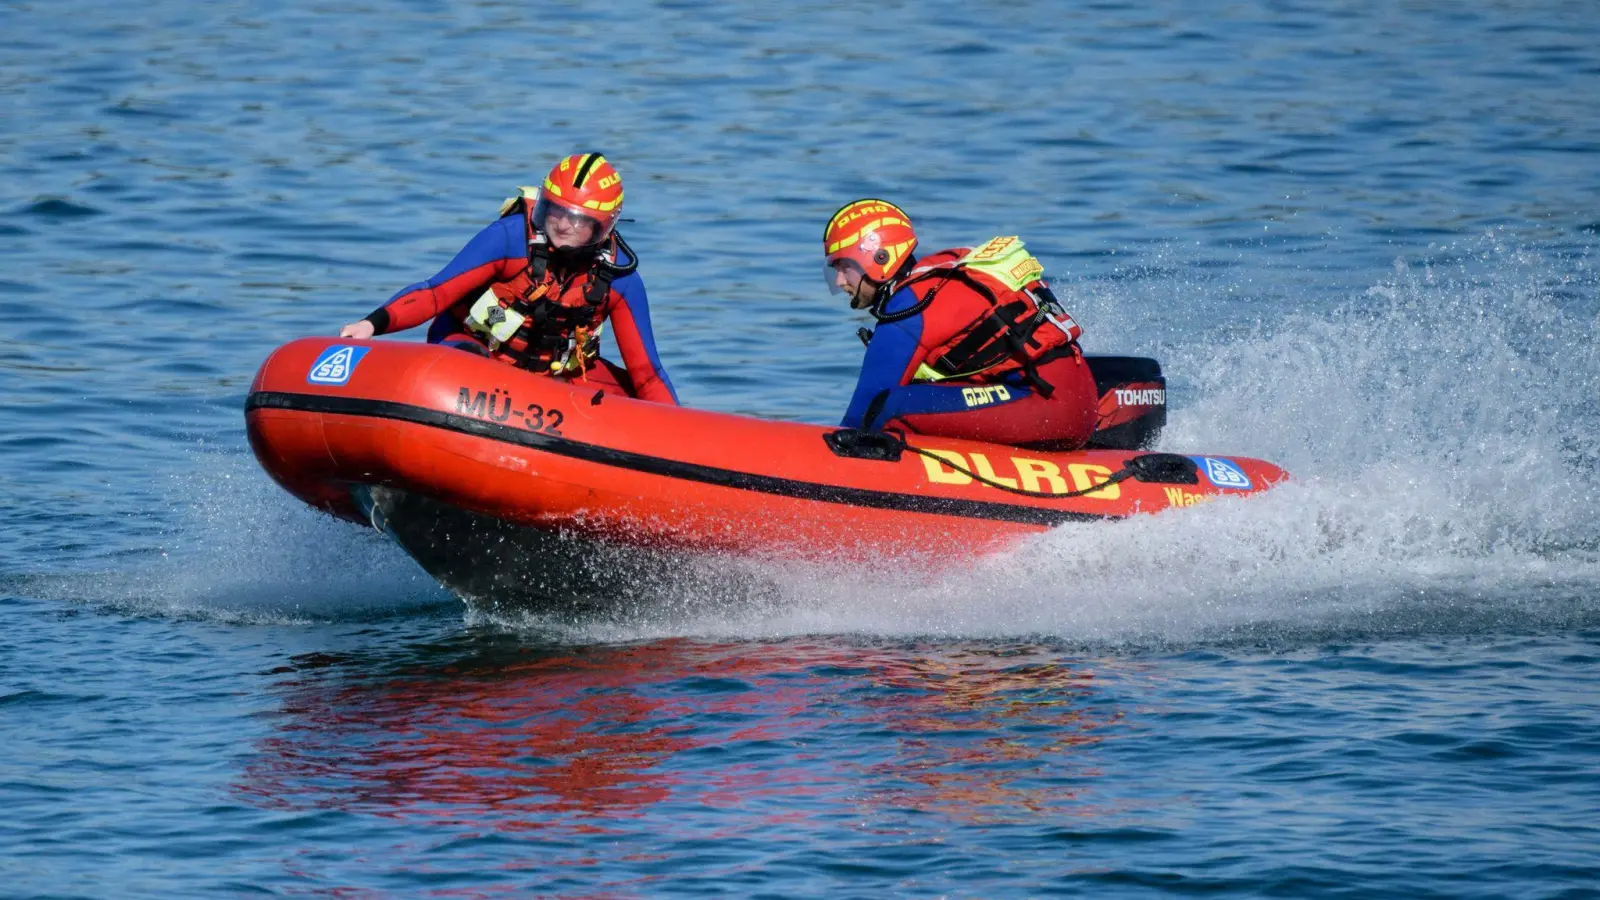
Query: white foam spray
x=241, y=549
x=1439, y=425
x=1443, y=437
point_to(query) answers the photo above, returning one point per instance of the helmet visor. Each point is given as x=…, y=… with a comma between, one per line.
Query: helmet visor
x=843, y=276
x=568, y=227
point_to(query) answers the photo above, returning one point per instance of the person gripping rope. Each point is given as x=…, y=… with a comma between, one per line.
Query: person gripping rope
x=536, y=287
x=970, y=341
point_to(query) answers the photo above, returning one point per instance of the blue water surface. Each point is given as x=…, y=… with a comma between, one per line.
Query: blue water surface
x=1361, y=238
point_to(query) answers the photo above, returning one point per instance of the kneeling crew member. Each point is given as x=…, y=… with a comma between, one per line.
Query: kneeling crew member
x=970, y=342
x=536, y=287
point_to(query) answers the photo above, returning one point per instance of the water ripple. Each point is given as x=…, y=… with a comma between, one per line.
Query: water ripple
x=1361, y=240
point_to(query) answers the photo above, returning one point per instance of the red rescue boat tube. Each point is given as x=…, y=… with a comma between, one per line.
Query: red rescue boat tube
x=340, y=422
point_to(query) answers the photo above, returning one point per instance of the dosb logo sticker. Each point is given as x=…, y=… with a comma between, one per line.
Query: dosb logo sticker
x=1224, y=473
x=336, y=364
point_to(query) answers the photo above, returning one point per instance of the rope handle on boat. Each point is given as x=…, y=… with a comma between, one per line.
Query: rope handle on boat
x=1158, y=468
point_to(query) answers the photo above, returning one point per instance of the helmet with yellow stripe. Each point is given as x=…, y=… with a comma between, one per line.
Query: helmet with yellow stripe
x=866, y=239
x=579, y=202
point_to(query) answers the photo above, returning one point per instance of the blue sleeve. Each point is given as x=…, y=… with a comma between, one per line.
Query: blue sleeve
x=500, y=240
x=637, y=341
x=889, y=354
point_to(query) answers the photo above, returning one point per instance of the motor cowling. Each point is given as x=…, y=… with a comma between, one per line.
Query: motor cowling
x=1133, y=402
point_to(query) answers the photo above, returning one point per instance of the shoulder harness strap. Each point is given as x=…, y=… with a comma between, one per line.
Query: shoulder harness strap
x=1005, y=260
x=606, y=270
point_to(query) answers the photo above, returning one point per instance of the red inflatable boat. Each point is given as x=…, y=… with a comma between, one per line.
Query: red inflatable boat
x=495, y=478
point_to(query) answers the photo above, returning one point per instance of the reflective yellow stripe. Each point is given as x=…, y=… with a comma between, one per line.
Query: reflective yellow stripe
x=874, y=225
x=603, y=207
x=838, y=245
x=896, y=253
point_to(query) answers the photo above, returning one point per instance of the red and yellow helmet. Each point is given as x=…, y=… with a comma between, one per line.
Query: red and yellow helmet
x=873, y=234
x=582, y=189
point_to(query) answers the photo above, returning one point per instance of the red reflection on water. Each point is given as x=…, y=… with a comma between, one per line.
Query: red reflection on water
x=581, y=741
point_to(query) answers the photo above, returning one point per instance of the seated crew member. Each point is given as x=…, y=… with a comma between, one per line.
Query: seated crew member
x=536, y=287
x=970, y=342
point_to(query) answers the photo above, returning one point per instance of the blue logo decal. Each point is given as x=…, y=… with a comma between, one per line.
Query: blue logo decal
x=1223, y=473
x=336, y=364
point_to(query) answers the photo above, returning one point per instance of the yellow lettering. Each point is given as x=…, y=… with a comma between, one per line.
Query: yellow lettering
x=994, y=248
x=1179, y=497
x=1027, y=270
x=1086, y=475
x=1033, y=471
x=938, y=474
x=983, y=396
x=863, y=211
x=981, y=464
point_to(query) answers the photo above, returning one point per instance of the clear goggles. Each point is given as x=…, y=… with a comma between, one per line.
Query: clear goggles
x=579, y=228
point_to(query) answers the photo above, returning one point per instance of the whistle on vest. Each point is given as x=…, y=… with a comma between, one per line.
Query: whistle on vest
x=567, y=364
x=582, y=348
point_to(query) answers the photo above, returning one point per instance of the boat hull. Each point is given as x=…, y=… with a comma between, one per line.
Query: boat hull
x=353, y=427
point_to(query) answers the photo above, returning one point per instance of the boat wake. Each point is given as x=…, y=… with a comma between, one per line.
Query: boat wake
x=241, y=550
x=1439, y=426
x=1444, y=443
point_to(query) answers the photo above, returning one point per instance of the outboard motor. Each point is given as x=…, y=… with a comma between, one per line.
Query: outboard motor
x=1133, y=402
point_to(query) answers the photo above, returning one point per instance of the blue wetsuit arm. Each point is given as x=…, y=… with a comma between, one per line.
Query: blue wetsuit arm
x=889, y=356
x=637, y=342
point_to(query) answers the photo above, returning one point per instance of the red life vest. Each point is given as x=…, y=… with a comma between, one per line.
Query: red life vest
x=548, y=318
x=1000, y=329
